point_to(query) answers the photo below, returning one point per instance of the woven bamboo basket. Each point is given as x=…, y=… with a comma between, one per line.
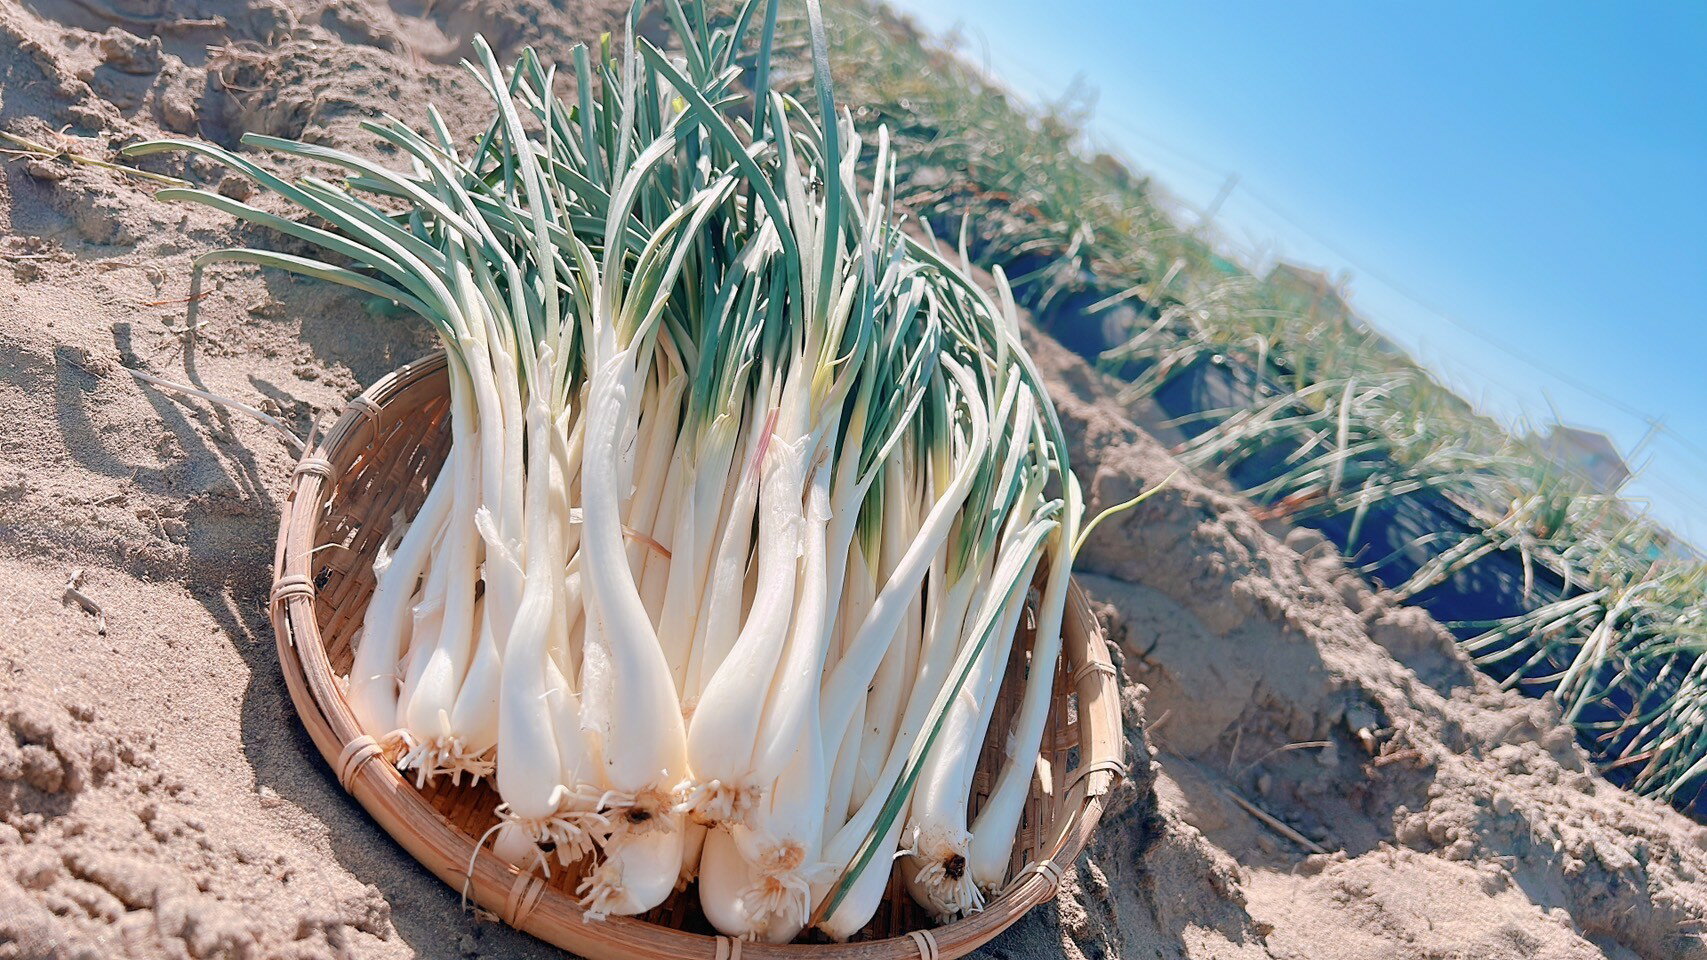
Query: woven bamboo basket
x=378, y=460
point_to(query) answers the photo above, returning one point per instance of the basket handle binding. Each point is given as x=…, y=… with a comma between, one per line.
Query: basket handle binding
x=356, y=753
x=928, y=949
x=524, y=896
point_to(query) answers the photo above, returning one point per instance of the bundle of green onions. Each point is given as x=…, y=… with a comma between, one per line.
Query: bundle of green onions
x=747, y=495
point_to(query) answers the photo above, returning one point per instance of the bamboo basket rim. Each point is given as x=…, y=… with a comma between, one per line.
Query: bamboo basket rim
x=524, y=900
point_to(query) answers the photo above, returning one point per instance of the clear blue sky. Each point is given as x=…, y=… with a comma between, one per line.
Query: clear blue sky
x=1535, y=174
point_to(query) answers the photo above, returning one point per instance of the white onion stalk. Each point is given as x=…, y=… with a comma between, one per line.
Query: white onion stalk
x=724, y=733
x=961, y=559
x=940, y=842
x=474, y=715
x=724, y=875
x=631, y=707
x=889, y=687
x=719, y=622
x=427, y=713
x=937, y=832
x=786, y=834
x=426, y=615
x=997, y=824
x=373, y=675
x=656, y=438
x=866, y=894
x=635, y=715
x=546, y=807
x=655, y=568
x=860, y=662
x=692, y=548
x=857, y=598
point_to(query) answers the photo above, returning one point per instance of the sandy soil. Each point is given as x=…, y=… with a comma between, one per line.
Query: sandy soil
x=158, y=798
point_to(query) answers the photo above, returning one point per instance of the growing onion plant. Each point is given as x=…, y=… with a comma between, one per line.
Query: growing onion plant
x=1355, y=420
x=748, y=493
